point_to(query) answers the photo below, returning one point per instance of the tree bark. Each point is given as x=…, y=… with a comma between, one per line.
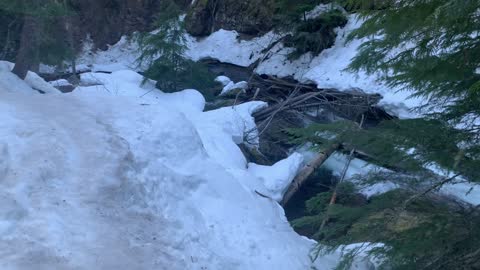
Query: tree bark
x=307, y=171
x=25, y=58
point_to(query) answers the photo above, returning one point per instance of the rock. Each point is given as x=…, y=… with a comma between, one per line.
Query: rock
x=64, y=85
x=247, y=17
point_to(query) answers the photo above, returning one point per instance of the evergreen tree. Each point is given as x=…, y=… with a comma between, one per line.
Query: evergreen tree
x=315, y=35
x=39, y=19
x=308, y=34
x=431, y=48
x=426, y=234
x=164, y=53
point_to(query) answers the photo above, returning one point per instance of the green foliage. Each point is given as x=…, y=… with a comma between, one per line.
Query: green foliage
x=51, y=47
x=410, y=144
x=429, y=46
x=45, y=9
x=164, y=52
x=8, y=35
x=309, y=34
x=428, y=234
x=315, y=35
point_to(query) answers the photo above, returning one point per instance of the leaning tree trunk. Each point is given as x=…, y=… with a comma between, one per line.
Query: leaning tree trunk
x=26, y=57
x=305, y=173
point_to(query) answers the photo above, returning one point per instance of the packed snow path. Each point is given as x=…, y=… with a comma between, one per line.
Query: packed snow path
x=103, y=179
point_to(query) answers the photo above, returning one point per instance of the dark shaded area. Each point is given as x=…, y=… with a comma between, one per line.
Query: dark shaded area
x=317, y=183
x=250, y=17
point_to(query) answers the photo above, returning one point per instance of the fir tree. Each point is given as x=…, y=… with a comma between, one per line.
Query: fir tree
x=37, y=42
x=164, y=53
x=431, y=48
x=315, y=35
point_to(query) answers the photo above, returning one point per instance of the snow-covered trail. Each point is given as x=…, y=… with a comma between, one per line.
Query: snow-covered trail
x=102, y=179
x=64, y=202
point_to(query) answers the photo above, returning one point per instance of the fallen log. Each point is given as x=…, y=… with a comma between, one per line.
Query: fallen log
x=305, y=173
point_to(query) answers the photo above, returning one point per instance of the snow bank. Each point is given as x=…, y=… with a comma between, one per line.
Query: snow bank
x=117, y=176
x=328, y=70
x=121, y=56
x=277, y=178
x=227, y=47
x=31, y=81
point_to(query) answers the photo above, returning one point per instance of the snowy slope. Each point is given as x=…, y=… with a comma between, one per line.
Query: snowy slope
x=114, y=176
x=327, y=69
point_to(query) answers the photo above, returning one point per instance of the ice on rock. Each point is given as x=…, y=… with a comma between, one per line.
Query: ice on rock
x=234, y=88
x=223, y=80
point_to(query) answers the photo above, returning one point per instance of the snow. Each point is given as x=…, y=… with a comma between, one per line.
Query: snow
x=227, y=47
x=328, y=70
x=461, y=189
x=277, y=178
x=117, y=176
x=60, y=83
x=31, y=81
x=336, y=163
x=467, y=192
x=121, y=56
x=224, y=80
x=232, y=87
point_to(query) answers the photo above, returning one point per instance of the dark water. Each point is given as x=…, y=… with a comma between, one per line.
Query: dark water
x=234, y=72
x=319, y=182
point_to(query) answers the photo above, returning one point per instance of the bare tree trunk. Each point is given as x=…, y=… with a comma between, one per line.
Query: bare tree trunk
x=71, y=41
x=307, y=171
x=25, y=58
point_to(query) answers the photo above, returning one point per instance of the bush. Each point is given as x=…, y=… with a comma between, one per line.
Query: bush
x=316, y=35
